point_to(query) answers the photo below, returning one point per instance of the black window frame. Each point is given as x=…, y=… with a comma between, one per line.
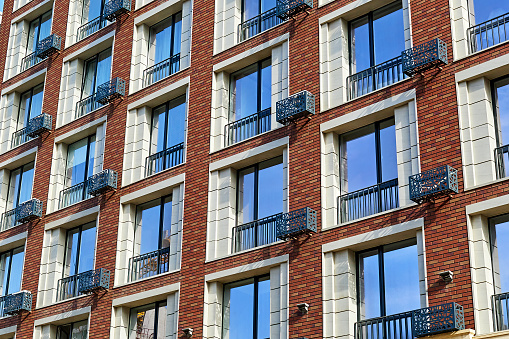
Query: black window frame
x=161, y=217
x=172, y=39
x=102, y=22
x=39, y=18
x=496, y=113
x=167, y=108
x=29, y=109
x=157, y=305
x=80, y=231
x=11, y=251
x=19, y=182
x=87, y=162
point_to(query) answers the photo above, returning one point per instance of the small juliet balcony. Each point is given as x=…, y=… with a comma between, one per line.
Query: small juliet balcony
x=258, y=24
x=25, y=212
x=102, y=182
x=290, y=8
x=83, y=283
x=424, y=56
x=500, y=304
x=45, y=48
x=116, y=8
x=90, y=28
x=255, y=233
x=20, y=137
x=36, y=126
x=433, y=183
x=296, y=223
x=161, y=70
x=295, y=107
x=489, y=33
x=502, y=161
x=16, y=303
x=149, y=264
x=413, y=324
x=109, y=91
x=164, y=160
x=247, y=127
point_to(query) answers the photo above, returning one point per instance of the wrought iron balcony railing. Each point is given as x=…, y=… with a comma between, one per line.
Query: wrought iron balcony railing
x=502, y=161
x=87, y=105
x=48, y=46
x=83, y=283
x=161, y=70
x=30, y=60
x=67, y=287
x=488, y=33
x=247, y=127
x=424, y=56
x=500, y=304
x=428, y=185
x=90, y=28
x=39, y=124
x=115, y=8
x=294, y=107
x=101, y=182
x=20, y=137
x=258, y=24
x=149, y=264
x=412, y=324
x=165, y=159
x=255, y=233
x=27, y=211
x=368, y=201
x=16, y=303
x=290, y=8
x=73, y=194
x=376, y=77
x=109, y=91
x=295, y=223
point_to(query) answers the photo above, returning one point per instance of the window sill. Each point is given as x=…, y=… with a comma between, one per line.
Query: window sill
x=63, y=301
x=109, y=23
x=145, y=279
x=248, y=139
x=244, y=251
x=481, y=51
x=76, y=203
x=471, y=188
x=370, y=93
x=159, y=81
x=153, y=175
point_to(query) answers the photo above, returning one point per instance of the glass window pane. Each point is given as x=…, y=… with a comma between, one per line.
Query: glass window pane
x=79, y=330
x=36, y=106
x=141, y=322
x=166, y=229
x=24, y=109
x=266, y=85
x=160, y=41
x=369, y=285
x=245, y=196
x=158, y=122
x=87, y=248
x=147, y=229
x=18, y=257
x=388, y=32
x=502, y=100
x=270, y=187
x=489, y=9
x=243, y=93
x=64, y=332
x=12, y=197
x=388, y=150
x=45, y=29
x=359, y=45
x=177, y=35
x=71, y=253
x=91, y=10
x=32, y=36
x=76, y=162
x=500, y=254
x=360, y=156
x=251, y=8
x=238, y=306
x=27, y=182
x=5, y=260
x=161, y=320
x=89, y=78
x=264, y=308
x=267, y=4
x=91, y=157
x=176, y=122
x=103, y=68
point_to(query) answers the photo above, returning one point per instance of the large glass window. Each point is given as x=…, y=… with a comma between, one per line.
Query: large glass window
x=80, y=249
x=93, y=9
x=76, y=330
x=148, y=321
x=11, y=270
x=30, y=105
x=252, y=8
x=80, y=161
x=485, y=10
x=376, y=37
x=97, y=71
x=388, y=280
x=168, y=125
x=500, y=91
x=20, y=185
x=165, y=39
x=38, y=29
x=246, y=309
x=499, y=236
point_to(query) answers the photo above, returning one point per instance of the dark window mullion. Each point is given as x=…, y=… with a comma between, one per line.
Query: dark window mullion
x=78, y=248
x=156, y=318
x=255, y=202
x=255, y=308
x=19, y=186
x=259, y=85
x=381, y=278
x=172, y=38
x=11, y=252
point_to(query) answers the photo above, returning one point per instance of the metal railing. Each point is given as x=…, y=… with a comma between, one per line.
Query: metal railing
x=289, y=8
x=24, y=212
x=15, y=303
x=20, y=137
x=39, y=124
x=397, y=326
x=73, y=194
x=87, y=105
x=488, y=33
x=82, y=283
x=435, y=182
x=247, y=127
x=502, y=161
x=68, y=287
x=367, y=201
x=295, y=223
x=115, y=8
x=295, y=107
x=30, y=60
x=255, y=233
x=8, y=220
x=90, y=28
x=258, y=24
x=165, y=159
x=161, y=70
x=500, y=303
x=110, y=90
x=149, y=264
x=48, y=45
x=376, y=77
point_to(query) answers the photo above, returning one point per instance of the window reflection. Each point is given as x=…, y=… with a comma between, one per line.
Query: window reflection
x=164, y=40
x=38, y=29
x=76, y=330
x=30, y=105
x=80, y=161
x=148, y=322
x=485, y=10
x=168, y=125
x=11, y=270
x=80, y=249
x=97, y=72
x=499, y=231
x=20, y=185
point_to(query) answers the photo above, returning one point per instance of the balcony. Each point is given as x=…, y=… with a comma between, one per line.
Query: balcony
x=258, y=24
x=488, y=33
x=115, y=8
x=90, y=28
x=294, y=107
x=425, y=56
x=500, y=303
x=109, y=91
x=87, y=105
x=101, y=182
x=20, y=137
x=39, y=124
x=149, y=264
x=25, y=212
x=290, y=8
x=412, y=324
x=74, y=194
x=247, y=127
x=296, y=223
x=428, y=185
x=256, y=233
x=502, y=161
x=16, y=303
x=161, y=70
x=30, y=60
x=82, y=283
x=48, y=46
x=368, y=201
x=164, y=160
x=374, y=78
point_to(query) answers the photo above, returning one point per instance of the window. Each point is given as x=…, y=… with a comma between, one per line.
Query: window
x=78, y=258
x=30, y=106
x=485, y=10
x=76, y=330
x=97, y=71
x=499, y=234
x=91, y=18
x=257, y=16
x=152, y=238
x=148, y=321
x=500, y=90
x=250, y=102
x=79, y=166
x=39, y=29
x=246, y=309
x=11, y=270
x=19, y=190
x=369, y=170
x=167, y=136
x=388, y=280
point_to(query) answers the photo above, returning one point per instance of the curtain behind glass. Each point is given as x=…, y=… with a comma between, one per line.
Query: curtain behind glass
x=243, y=93
x=165, y=39
x=250, y=9
x=103, y=68
x=89, y=78
x=33, y=33
x=91, y=10
x=36, y=104
x=246, y=196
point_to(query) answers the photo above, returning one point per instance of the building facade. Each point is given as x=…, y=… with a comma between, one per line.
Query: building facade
x=254, y=169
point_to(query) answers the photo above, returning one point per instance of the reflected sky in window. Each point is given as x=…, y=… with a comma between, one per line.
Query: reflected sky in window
x=502, y=92
x=153, y=222
x=165, y=39
x=11, y=270
x=488, y=9
x=500, y=237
